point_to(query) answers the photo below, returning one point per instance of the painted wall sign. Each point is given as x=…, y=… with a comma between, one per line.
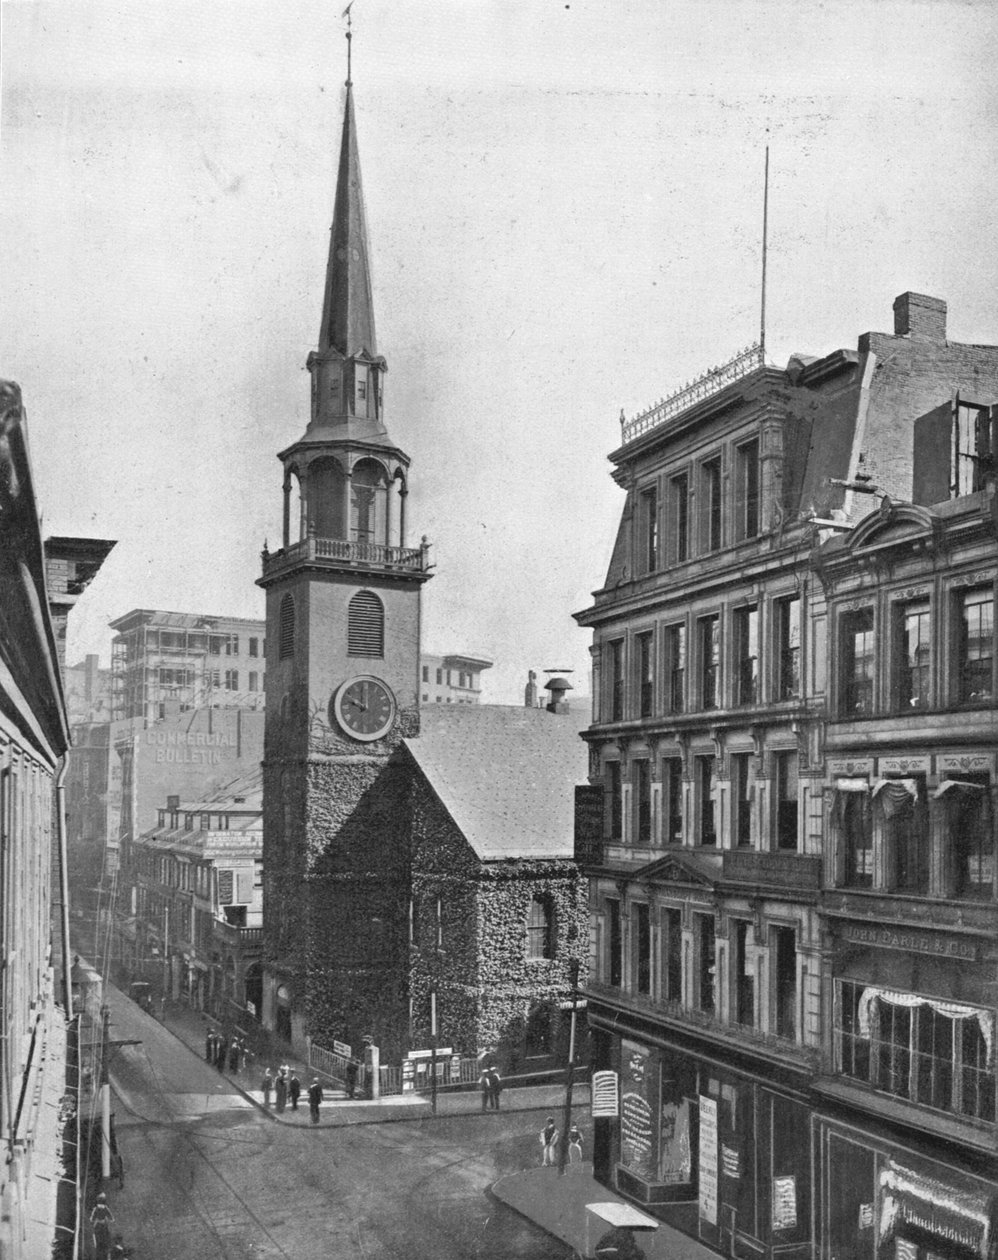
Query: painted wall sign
x=708, y=1159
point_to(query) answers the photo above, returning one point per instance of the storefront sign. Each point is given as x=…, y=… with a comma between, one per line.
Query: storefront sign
x=708, y=1159
x=784, y=1202
x=910, y=940
x=605, y=1095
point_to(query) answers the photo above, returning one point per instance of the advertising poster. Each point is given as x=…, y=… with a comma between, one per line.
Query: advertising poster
x=674, y=1161
x=605, y=1095
x=708, y=1159
x=638, y=1108
x=784, y=1202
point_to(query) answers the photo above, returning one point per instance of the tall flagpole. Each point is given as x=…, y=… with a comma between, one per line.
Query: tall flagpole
x=765, y=230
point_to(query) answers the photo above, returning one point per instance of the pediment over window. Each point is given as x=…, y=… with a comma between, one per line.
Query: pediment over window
x=894, y=523
x=694, y=869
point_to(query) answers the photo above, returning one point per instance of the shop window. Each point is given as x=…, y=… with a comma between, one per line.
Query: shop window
x=615, y=678
x=679, y=518
x=975, y=646
x=748, y=489
x=365, y=625
x=286, y=639
x=641, y=784
x=856, y=663
x=675, y=666
x=672, y=960
x=613, y=800
x=741, y=765
x=970, y=826
x=783, y=952
x=614, y=959
x=641, y=944
x=645, y=674
x=744, y=976
x=705, y=969
x=787, y=633
x=672, y=799
x=648, y=527
x=977, y=1070
x=911, y=657
x=710, y=504
x=709, y=635
x=933, y=1058
x=707, y=833
x=851, y=1039
x=747, y=655
x=786, y=800
x=540, y=927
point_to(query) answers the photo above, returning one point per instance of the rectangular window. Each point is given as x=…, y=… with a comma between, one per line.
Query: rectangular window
x=709, y=634
x=710, y=505
x=851, y=813
x=744, y=976
x=747, y=653
x=440, y=677
x=426, y=673
x=641, y=929
x=253, y=680
x=679, y=518
x=641, y=781
x=741, y=766
x=911, y=656
x=646, y=675
x=704, y=937
x=857, y=659
x=232, y=680
x=613, y=800
x=672, y=963
x=675, y=667
x=705, y=801
x=748, y=490
x=787, y=628
x=648, y=517
x=970, y=826
x=254, y=647
x=783, y=946
x=971, y=447
x=615, y=679
x=614, y=942
x=906, y=834
x=232, y=645
x=786, y=764
x=672, y=798
x=975, y=645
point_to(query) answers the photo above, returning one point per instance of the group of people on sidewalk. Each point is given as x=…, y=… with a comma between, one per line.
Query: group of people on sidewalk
x=490, y=1084
x=286, y=1087
x=226, y=1052
x=550, y=1137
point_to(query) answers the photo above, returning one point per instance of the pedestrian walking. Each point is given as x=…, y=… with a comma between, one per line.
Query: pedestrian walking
x=268, y=1085
x=352, y=1068
x=101, y=1219
x=234, y=1055
x=549, y=1141
x=495, y=1087
x=221, y=1050
x=314, y=1099
x=281, y=1091
x=294, y=1090
x=209, y=1046
x=574, y=1144
x=485, y=1084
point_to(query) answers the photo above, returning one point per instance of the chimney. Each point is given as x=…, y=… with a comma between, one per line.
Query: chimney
x=530, y=691
x=558, y=702
x=919, y=317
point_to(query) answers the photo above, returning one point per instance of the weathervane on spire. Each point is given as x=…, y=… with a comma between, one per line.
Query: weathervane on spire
x=346, y=14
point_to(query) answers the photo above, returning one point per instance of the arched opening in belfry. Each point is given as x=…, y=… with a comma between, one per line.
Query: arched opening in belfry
x=293, y=525
x=369, y=503
x=326, y=495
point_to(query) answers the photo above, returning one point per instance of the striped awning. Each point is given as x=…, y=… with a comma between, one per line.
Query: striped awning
x=961, y=1217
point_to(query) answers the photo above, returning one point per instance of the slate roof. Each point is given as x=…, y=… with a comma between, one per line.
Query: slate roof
x=506, y=775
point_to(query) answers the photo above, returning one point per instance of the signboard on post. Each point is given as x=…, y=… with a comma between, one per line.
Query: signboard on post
x=605, y=1095
x=708, y=1159
x=342, y=1049
x=445, y=1052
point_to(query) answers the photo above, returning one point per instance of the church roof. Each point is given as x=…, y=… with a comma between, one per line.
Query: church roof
x=506, y=775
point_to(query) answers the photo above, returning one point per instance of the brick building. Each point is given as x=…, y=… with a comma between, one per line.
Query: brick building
x=710, y=968
x=382, y=877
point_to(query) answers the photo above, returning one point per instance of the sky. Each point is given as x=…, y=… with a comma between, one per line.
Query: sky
x=564, y=202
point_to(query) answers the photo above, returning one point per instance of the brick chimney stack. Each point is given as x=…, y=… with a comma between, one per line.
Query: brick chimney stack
x=920, y=317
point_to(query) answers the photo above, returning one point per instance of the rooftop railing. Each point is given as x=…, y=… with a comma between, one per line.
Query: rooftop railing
x=711, y=382
x=414, y=559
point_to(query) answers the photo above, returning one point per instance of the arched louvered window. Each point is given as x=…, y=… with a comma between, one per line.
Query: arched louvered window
x=365, y=625
x=286, y=638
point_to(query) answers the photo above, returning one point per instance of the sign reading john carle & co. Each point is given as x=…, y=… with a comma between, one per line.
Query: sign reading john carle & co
x=910, y=940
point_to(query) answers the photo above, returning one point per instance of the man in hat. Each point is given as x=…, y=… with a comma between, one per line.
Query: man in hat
x=314, y=1098
x=101, y=1219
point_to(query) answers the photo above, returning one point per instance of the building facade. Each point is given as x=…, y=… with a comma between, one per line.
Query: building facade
x=710, y=955
x=451, y=679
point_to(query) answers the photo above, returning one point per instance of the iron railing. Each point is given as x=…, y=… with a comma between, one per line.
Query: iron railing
x=711, y=382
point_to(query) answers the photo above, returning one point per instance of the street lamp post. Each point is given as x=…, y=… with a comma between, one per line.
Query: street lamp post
x=570, y=1071
x=433, y=1050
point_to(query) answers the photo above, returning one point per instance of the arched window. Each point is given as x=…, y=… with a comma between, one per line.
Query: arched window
x=326, y=492
x=365, y=625
x=368, y=503
x=286, y=638
x=540, y=928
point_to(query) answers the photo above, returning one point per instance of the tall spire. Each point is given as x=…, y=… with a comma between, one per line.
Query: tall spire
x=347, y=309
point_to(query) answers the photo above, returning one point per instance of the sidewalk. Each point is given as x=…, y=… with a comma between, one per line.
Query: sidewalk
x=191, y=1027
x=558, y=1205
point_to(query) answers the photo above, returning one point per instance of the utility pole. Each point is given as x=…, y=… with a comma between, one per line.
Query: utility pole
x=570, y=1071
x=433, y=1050
x=105, y=1095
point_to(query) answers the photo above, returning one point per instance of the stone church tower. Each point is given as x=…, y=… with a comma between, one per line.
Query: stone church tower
x=343, y=633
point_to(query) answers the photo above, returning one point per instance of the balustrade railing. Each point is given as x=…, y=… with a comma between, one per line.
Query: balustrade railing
x=711, y=382
x=313, y=548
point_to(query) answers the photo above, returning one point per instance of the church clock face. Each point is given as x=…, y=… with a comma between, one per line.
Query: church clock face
x=364, y=707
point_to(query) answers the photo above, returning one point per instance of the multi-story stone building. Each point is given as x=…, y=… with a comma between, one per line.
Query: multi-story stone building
x=190, y=919
x=709, y=654
x=451, y=679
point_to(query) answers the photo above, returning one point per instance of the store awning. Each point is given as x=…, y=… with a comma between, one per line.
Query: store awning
x=951, y=1215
